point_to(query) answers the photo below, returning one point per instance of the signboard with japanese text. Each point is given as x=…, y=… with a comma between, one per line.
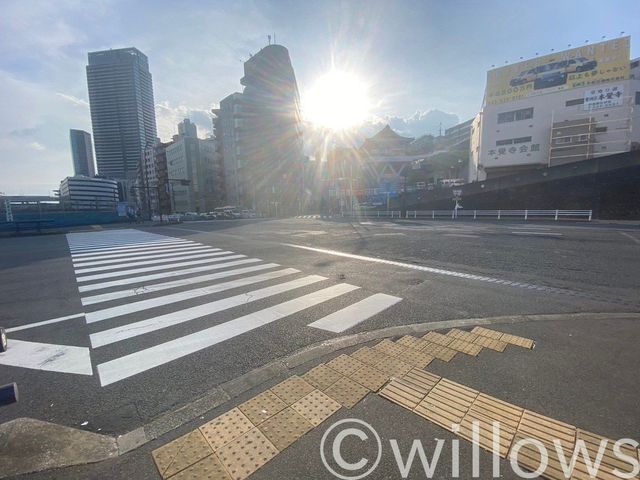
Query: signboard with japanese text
x=603, y=97
x=584, y=66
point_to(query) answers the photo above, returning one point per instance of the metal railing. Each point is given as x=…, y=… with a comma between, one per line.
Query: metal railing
x=500, y=214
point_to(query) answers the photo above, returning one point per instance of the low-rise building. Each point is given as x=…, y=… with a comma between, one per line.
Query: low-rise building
x=89, y=193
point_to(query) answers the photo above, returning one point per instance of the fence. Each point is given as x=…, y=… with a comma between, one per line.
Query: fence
x=500, y=214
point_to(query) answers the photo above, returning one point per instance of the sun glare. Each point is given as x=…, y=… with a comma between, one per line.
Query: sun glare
x=338, y=100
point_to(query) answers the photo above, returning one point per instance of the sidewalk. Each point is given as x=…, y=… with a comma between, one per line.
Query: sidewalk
x=579, y=380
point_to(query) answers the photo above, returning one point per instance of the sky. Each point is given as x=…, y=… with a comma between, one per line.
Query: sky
x=425, y=61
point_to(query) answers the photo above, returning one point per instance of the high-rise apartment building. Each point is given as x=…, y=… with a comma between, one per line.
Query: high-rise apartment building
x=82, y=153
x=122, y=110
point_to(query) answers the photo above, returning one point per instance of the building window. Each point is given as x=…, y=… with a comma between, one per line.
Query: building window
x=577, y=101
x=601, y=129
x=511, y=141
x=637, y=98
x=515, y=115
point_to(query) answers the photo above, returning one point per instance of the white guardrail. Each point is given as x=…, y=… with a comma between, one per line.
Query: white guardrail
x=475, y=214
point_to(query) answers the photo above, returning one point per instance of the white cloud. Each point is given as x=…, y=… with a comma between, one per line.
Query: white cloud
x=75, y=100
x=36, y=146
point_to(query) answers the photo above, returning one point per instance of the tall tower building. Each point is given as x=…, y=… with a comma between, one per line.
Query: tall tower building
x=82, y=153
x=122, y=110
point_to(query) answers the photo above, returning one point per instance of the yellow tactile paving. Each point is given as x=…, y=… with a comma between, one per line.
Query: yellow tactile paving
x=179, y=454
x=519, y=341
x=322, y=377
x=529, y=458
x=390, y=348
x=447, y=404
x=262, y=406
x=421, y=380
x=403, y=394
x=491, y=343
x=545, y=429
x=347, y=392
x=437, y=338
x=440, y=352
x=610, y=461
x=465, y=347
x=345, y=365
x=412, y=342
x=316, y=407
x=415, y=358
x=393, y=367
x=209, y=468
x=285, y=428
x=225, y=428
x=246, y=454
x=485, y=332
x=292, y=389
x=370, y=356
x=462, y=335
x=370, y=377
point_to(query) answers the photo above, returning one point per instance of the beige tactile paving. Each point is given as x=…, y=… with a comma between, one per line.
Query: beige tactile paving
x=370, y=356
x=518, y=341
x=292, y=389
x=181, y=453
x=421, y=380
x=507, y=414
x=447, y=404
x=370, y=377
x=610, y=461
x=485, y=332
x=321, y=377
x=402, y=393
x=529, y=458
x=390, y=348
x=465, y=347
x=209, y=468
x=316, y=407
x=437, y=338
x=412, y=342
x=545, y=429
x=262, y=406
x=347, y=392
x=225, y=428
x=497, y=345
x=462, y=335
x=345, y=365
x=246, y=454
x=415, y=358
x=285, y=428
x=440, y=352
x=393, y=367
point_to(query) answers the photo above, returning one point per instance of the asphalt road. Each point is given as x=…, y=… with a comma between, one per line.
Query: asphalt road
x=134, y=361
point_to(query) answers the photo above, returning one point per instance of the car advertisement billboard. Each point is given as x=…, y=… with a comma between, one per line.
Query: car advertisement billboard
x=584, y=66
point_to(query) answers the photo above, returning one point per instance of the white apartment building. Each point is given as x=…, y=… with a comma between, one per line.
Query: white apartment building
x=579, y=119
x=89, y=193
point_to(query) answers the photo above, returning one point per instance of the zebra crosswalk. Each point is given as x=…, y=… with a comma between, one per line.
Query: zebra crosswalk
x=134, y=283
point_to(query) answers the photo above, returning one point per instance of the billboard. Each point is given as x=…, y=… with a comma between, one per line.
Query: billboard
x=578, y=67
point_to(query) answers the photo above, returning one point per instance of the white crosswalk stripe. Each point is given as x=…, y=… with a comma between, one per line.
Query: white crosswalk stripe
x=134, y=283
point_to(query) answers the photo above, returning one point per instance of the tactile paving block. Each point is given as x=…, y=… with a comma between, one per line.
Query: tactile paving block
x=519, y=341
x=412, y=342
x=347, y=392
x=390, y=348
x=529, y=457
x=437, y=338
x=370, y=377
x=262, y=406
x=285, y=428
x=225, y=428
x=485, y=332
x=321, y=377
x=402, y=393
x=292, y=389
x=610, y=460
x=246, y=454
x=491, y=343
x=393, y=367
x=421, y=380
x=545, y=429
x=181, y=453
x=447, y=404
x=462, y=335
x=345, y=365
x=440, y=352
x=415, y=358
x=316, y=407
x=209, y=468
x=370, y=356
x=465, y=347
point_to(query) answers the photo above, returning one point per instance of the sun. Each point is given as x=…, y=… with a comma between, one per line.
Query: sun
x=338, y=100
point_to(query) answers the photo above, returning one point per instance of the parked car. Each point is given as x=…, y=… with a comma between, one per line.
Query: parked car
x=553, y=73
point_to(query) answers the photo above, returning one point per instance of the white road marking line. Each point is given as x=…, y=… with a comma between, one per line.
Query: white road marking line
x=89, y=263
x=145, y=252
x=628, y=235
x=135, y=329
x=527, y=227
x=47, y=356
x=176, y=258
x=166, y=266
x=461, y=235
x=163, y=275
x=143, y=360
x=389, y=234
x=99, y=245
x=356, y=313
x=547, y=234
x=45, y=322
x=145, y=289
x=129, y=308
x=132, y=248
